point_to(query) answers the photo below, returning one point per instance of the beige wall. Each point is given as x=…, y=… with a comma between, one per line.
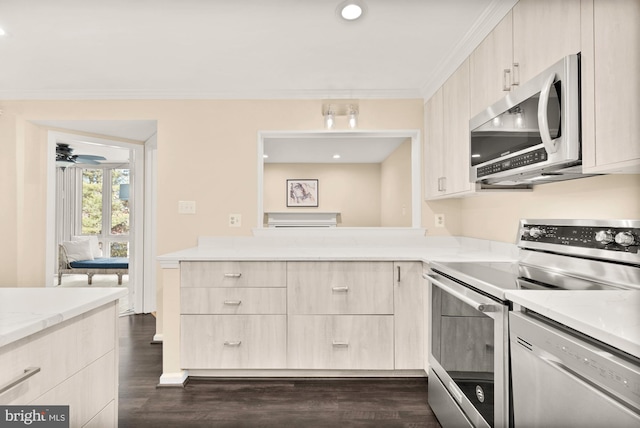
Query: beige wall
x=495, y=216
x=395, y=188
x=353, y=190
x=207, y=152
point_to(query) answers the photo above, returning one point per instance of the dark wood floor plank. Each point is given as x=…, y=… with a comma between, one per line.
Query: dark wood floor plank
x=263, y=403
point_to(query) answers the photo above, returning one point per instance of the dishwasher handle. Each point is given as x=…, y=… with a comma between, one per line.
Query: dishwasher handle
x=479, y=306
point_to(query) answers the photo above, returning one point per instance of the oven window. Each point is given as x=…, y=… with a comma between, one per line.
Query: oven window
x=463, y=344
x=515, y=130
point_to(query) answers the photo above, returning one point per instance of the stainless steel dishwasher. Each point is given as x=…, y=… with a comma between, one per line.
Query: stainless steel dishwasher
x=564, y=379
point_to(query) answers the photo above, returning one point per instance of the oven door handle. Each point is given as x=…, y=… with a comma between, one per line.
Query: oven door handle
x=479, y=306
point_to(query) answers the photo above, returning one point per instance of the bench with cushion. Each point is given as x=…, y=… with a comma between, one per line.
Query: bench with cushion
x=77, y=257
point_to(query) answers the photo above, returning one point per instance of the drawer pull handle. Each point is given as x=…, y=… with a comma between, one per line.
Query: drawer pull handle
x=232, y=342
x=341, y=289
x=339, y=344
x=232, y=275
x=28, y=372
x=233, y=302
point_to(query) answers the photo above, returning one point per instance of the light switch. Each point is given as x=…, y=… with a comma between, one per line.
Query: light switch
x=186, y=207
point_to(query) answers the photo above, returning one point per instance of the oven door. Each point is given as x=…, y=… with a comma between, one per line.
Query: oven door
x=469, y=353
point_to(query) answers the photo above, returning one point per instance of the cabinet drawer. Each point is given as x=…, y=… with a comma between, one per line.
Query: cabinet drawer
x=233, y=274
x=233, y=341
x=59, y=352
x=233, y=301
x=340, y=342
x=340, y=288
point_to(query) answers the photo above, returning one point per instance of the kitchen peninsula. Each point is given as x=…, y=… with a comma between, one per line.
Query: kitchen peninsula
x=318, y=302
x=59, y=346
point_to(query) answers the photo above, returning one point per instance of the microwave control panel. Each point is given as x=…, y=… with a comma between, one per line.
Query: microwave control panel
x=530, y=158
x=623, y=239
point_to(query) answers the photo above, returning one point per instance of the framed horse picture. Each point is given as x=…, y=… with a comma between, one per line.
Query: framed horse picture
x=302, y=193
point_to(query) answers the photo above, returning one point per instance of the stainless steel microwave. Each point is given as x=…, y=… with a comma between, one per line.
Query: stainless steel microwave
x=532, y=135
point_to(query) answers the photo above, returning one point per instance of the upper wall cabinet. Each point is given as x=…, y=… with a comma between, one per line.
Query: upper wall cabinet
x=447, y=138
x=611, y=86
x=490, y=67
x=534, y=35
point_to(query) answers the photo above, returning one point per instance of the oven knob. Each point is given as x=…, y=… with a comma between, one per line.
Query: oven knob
x=536, y=232
x=625, y=239
x=604, y=236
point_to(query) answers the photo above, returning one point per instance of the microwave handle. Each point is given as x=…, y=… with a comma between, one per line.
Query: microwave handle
x=549, y=145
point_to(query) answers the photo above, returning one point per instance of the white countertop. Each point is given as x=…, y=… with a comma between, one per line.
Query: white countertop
x=612, y=317
x=343, y=248
x=25, y=311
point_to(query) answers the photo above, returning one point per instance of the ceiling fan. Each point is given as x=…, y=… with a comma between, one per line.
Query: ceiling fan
x=65, y=157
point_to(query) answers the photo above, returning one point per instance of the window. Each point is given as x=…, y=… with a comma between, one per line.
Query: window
x=105, y=208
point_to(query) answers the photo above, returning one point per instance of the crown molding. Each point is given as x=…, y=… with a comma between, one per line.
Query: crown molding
x=211, y=95
x=485, y=23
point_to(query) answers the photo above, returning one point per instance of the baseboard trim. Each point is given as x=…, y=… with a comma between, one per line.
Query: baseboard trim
x=178, y=379
x=228, y=373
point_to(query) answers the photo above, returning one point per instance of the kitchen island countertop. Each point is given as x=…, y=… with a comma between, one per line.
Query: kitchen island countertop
x=612, y=317
x=25, y=311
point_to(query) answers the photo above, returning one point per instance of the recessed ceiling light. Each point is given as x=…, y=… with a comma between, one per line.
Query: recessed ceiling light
x=2, y=32
x=336, y=156
x=351, y=10
x=265, y=156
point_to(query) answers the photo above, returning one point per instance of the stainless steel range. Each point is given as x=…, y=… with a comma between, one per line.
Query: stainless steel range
x=470, y=379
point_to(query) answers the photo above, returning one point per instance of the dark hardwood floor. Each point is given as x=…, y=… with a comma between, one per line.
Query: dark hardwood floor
x=257, y=402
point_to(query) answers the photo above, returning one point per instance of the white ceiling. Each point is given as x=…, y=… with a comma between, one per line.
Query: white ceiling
x=200, y=49
x=124, y=49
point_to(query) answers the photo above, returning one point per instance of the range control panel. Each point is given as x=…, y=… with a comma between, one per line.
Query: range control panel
x=618, y=236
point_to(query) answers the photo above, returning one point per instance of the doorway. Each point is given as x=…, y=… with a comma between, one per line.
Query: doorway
x=117, y=240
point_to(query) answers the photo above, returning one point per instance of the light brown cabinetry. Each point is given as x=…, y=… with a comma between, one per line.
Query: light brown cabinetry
x=233, y=315
x=304, y=315
x=447, y=138
x=409, y=328
x=341, y=342
x=340, y=288
x=611, y=86
x=78, y=366
x=534, y=35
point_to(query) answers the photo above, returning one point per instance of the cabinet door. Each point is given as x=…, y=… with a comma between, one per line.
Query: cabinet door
x=340, y=287
x=340, y=342
x=610, y=86
x=487, y=64
x=544, y=31
x=434, y=146
x=409, y=333
x=456, y=131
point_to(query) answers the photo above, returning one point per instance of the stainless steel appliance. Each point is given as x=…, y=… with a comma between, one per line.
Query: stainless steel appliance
x=565, y=379
x=532, y=135
x=470, y=379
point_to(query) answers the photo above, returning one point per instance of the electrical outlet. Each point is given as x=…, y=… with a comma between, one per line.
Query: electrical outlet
x=439, y=220
x=235, y=220
x=186, y=207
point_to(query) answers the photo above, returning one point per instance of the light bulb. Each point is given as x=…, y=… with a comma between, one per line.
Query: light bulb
x=329, y=120
x=351, y=12
x=353, y=119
